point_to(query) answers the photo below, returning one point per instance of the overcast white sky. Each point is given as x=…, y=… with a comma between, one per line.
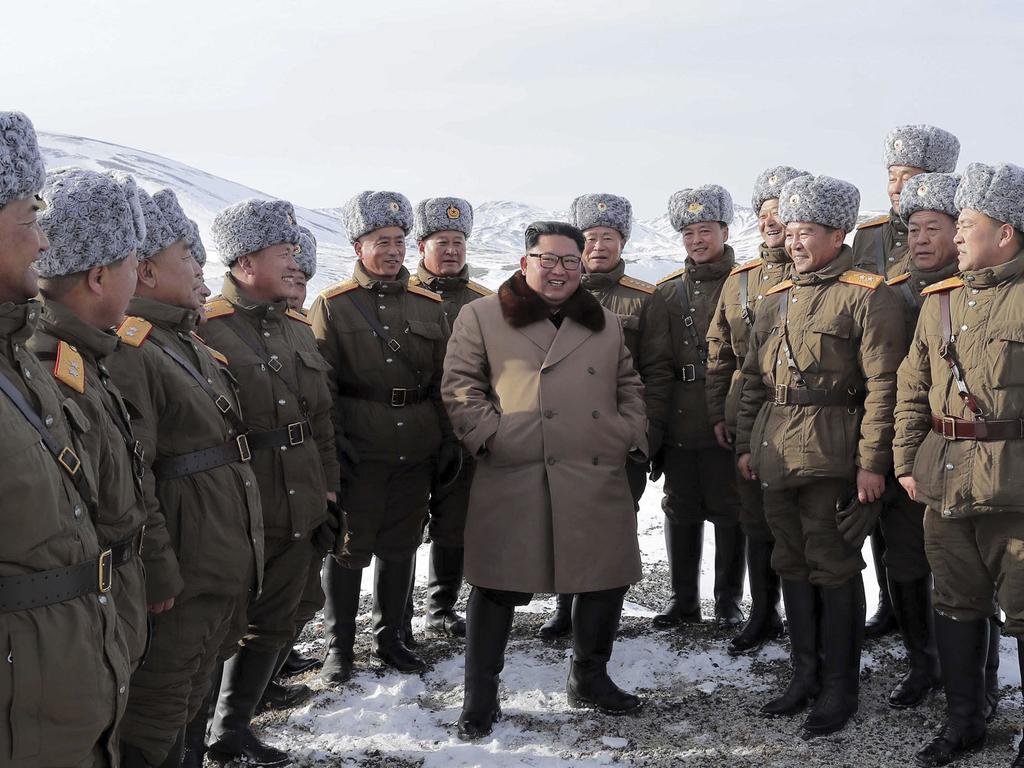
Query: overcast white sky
x=534, y=101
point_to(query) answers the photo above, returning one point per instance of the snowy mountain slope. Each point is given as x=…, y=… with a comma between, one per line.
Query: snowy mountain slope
x=654, y=250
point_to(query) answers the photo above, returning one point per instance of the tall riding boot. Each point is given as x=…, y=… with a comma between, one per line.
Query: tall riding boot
x=391, y=593
x=296, y=663
x=963, y=648
x=197, y=730
x=488, y=626
x=995, y=632
x=174, y=757
x=341, y=589
x=279, y=695
x=765, y=622
x=1019, y=760
x=684, y=544
x=595, y=621
x=912, y=603
x=443, y=585
x=882, y=621
x=410, y=610
x=559, y=624
x=842, y=635
x=246, y=674
x=802, y=613
x=730, y=567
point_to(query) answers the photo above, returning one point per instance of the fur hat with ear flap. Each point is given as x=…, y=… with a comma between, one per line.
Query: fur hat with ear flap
x=251, y=226
x=929, y=192
x=306, y=257
x=602, y=210
x=22, y=173
x=159, y=234
x=195, y=243
x=995, y=190
x=692, y=206
x=370, y=211
x=931, y=149
x=820, y=200
x=769, y=184
x=440, y=214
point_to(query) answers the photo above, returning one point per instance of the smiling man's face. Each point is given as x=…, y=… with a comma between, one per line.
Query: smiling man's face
x=772, y=230
x=705, y=241
x=444, y=253
x=553, y=284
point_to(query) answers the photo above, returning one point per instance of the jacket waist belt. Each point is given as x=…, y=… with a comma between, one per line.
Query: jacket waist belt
x=396, y=397
x=57, y=585
x=691, y=372
x=783, y=395
x=290, y=434
x=124, y=551
x=953, y=428
x=201, y=461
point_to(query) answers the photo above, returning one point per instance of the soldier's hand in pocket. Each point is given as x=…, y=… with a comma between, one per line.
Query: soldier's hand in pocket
x=909, y=485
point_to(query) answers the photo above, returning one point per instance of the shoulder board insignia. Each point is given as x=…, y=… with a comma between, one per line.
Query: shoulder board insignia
x=338, y=288
x=134, y=331
x=423, y=292
x=863, y=279
x=640, y=285
x=294, y=314
x=785, y=285
x=415, y=280
x=481, y=289
x=874, y=222
x=218, y=308
x=944, y=285
x=213, y=352
x=674, y=275
x=69, y=367
x=748, y=265
x=898, y=279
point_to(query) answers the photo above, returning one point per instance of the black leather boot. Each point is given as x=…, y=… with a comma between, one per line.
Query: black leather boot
x=765, y=622
x=802, y=613
x=559, y=624
x=912, y=603
x=195, y=738
x=882, y=621
x=408, y=639
x=995, y=632
x=341, y=590
x=1019, y=760
x=963, y=648
x=842, y=635
x=684, y=544
x=443, y=585
x=279, y=695
x=392, y=580
x=730, y=568
x=488, y=625
x=246, y=674
x=296, y=663
x=595, y=620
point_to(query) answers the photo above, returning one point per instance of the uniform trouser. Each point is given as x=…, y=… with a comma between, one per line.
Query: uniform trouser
x=129, y=591
x=808, y=545
x=902, y=522
x=168, y=689
x=752, y=518
x=386, y=505
x=312, y=599
x=701, y=485
x=286, y=565
x=448, y=506
x=973, y=558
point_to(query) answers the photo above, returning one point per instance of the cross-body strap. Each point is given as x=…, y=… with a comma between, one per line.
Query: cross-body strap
x=387, y=340
x=798, y=375
x=748, y=316
x=683, y=301
x=948, y=353
x=248, y=337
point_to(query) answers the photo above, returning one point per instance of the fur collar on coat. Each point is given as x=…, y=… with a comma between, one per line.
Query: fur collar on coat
x=521, y=306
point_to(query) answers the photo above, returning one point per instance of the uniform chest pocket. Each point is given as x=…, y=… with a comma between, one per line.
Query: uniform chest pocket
x=1005, y=350
x=827, y=341
x=430, y=331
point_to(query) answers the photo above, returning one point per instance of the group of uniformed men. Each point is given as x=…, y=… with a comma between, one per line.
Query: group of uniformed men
x=172, y=487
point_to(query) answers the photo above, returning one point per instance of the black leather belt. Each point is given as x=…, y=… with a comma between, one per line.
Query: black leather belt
x=291, y=434
x=57, y=585
x=783, y=395
x=396, y=397
x=953, y=428
x=690, y=372
x=124, y=551
x=201, y=461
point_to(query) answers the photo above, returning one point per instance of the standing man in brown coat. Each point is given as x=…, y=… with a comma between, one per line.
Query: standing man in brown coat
x=542, y=391
x=384, y=339
x=728, y=345
x=283, y=392
x=441, y=227
x=67, y=674
x=959, y=446
x=881, y=246
x=815, y=424
x=700, y=475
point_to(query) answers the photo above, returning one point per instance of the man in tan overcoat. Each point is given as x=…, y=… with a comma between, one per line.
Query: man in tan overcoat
x=542, y=391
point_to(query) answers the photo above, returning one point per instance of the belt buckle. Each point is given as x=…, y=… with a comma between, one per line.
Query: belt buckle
x=222, y=403
x=70, y=461
x=688, y=321
x=244, y=454
x=293, y=429
x=105, y=572
x=781, y=394
x=689, y=372
x=394, y=346
x=142, y=539
x=274, y=364
x=952, y=427
x=397, y=402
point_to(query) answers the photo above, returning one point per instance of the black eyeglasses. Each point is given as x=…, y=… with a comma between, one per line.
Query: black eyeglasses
x=550, y=260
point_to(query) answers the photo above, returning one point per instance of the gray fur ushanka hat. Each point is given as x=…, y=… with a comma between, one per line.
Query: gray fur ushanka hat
x=770, y=183
x=173, y=214
x=195, y=243
x=91, y=220
x=820, y=200
x=995, y=190
x=602, y=210
x=22, y=173
x=252, y=225
x=439, y=214
x=159, y=234
x=692, y=206
x=306, y=257
x=369, y=211
x=929, y=192
x=931, y=149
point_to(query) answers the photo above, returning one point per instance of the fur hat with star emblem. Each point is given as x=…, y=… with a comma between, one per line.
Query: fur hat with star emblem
x=602, y=210
x=930, y=192
x=692, y=206
x=439, y=214
x=369, y=211
x=251, y=226
x=922, y=146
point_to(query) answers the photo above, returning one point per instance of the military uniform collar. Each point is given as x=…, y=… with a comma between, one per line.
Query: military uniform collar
x=774, y=255
x=236, y=294
x=59, y=321
x=376, y=284
x=442, y=283
x=596, y=280
x=831, y=271
x=167, y=316
x=714, y=270
x=897, y=223
x=990, y=277
x=18, y=321
x=921, y=279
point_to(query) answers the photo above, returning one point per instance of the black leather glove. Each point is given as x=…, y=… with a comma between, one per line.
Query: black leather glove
x=347, y=458
x=855, y=520
x=654, y=438
x=449, y=463
x=330, y=536
x=657, y=466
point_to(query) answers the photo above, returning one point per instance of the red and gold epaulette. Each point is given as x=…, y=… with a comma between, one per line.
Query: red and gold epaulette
x=421, y=291
x=134, y=331
x=69, y=368
x=295, y=314
x=218, y=307
x=674, y=275
x=338, y=288
x=898, y=279
x=213, y=352
x=785, y=285
x=875, y=222
x=748, y=265
x=867, y=280
x=639, y=285
x=943, y=285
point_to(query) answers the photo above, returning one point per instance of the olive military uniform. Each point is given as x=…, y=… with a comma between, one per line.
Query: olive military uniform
x=881, y=246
